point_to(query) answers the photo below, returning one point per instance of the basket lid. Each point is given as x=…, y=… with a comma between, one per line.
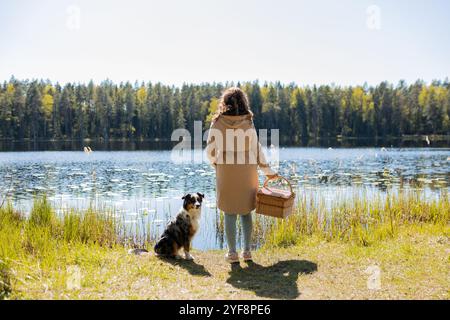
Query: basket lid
x=285, y=194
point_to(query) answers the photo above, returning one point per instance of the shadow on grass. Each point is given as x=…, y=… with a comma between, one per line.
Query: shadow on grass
x=278, y=281
x=191, y=266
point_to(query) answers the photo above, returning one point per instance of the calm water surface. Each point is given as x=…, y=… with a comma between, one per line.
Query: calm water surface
x=145, y=187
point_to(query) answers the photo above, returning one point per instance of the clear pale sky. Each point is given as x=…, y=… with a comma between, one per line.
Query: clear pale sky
x=306, y=42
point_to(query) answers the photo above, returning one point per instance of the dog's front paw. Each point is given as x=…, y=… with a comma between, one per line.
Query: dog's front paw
x=188, y=256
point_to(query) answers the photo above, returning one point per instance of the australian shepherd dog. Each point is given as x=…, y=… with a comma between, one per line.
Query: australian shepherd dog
x=180, y=231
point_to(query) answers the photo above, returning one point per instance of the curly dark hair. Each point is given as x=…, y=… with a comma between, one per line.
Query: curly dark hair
x=233, y=102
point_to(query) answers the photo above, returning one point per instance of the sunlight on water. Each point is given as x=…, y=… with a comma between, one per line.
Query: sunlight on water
x=144, y=189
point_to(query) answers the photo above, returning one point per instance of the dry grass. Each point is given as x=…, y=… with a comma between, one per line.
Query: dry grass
x=413, y=266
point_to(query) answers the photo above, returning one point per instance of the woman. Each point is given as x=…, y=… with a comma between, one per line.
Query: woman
x=233, y=149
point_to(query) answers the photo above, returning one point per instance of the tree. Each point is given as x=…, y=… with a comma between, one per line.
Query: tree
x=43, y=110
x=33, y=111
x=300, y=119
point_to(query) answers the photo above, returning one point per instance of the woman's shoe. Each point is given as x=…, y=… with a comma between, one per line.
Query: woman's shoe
x=232, y=257
x=247, y=256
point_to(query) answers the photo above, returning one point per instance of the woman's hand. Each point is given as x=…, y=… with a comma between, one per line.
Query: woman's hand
x=273, y=176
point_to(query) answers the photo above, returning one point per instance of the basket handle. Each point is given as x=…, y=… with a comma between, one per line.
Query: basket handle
x=276, y=178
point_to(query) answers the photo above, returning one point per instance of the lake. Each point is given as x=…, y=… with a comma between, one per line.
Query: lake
x=144, y=188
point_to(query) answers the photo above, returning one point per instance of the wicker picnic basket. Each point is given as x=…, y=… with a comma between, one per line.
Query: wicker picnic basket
x=275, y=202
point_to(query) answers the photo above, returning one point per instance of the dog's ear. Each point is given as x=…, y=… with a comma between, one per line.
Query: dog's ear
x=187, y=195
x=201, y=195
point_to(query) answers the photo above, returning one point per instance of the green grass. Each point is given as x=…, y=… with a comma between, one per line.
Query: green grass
x=42, y=240
x=319, y=252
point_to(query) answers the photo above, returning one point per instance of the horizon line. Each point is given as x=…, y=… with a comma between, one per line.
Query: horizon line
x=444, y=81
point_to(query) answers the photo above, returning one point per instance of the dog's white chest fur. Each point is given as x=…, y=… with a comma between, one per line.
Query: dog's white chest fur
x=194, y=218
x=195, y=224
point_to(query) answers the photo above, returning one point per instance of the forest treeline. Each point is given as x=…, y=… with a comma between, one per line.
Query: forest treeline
x=44, y=110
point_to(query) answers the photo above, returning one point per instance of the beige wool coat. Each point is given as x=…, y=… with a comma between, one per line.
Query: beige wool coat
x=235, y=152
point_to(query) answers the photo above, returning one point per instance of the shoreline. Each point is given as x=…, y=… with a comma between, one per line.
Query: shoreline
x=118, y=144
x=398, y=249
x=414, y=265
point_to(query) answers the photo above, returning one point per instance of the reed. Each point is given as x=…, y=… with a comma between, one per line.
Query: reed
x=359, y=219
x=44, y=229
x=90, y=226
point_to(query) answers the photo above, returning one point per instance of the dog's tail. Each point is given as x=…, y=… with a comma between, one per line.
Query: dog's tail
x=138, y=251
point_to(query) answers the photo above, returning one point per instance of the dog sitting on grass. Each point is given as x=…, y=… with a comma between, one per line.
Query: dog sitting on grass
x=181, y=230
